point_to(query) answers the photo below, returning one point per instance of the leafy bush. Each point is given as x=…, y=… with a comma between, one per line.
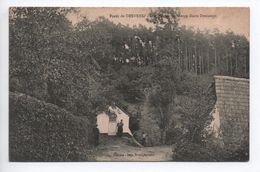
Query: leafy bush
x=40, y=131
x=212, y=150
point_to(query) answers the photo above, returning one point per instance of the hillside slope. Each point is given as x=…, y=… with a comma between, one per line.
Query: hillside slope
x=40, y=131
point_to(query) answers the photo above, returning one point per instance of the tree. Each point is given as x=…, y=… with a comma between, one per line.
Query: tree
x=165, y=18
x=31, y=34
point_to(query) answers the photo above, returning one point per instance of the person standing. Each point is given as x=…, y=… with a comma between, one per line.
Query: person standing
x=96, y=135
x=144, y=139
x=120, y=128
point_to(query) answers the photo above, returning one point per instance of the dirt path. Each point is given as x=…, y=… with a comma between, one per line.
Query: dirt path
x=120, y=149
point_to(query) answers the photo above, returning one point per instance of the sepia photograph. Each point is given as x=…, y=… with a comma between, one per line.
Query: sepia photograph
x=129, y=84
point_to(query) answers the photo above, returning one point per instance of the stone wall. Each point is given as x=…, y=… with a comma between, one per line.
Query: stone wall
x=233, y=106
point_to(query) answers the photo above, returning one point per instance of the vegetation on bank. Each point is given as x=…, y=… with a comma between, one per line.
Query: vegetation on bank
x=41, y=131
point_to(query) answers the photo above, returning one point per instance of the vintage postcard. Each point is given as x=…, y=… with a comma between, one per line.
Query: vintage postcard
x=128, y=84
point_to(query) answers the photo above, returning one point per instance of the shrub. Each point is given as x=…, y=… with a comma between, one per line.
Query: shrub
x=40, y=131
x=211, y=151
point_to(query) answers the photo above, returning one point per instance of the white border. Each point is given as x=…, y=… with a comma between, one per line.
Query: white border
x=254, y=163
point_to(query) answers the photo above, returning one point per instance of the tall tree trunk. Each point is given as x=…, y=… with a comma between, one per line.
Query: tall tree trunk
x=202, y=63
x=215, y=53
x=208, y=61
x=236, y=67
x=195, y=56
x=186, y=58
x=199, y=62
x=246, y=65
x=227, y=66
x=231, y=64
x=179, y=56
x=189, y=60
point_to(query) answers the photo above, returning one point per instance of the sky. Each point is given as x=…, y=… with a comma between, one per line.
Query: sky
x=235, y=19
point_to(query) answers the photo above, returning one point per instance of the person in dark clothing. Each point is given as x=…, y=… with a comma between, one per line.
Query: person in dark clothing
x=96, y=135
x=144, y=139
x=120, y=128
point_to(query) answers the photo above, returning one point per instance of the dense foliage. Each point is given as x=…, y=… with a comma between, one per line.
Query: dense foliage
x=41, y=131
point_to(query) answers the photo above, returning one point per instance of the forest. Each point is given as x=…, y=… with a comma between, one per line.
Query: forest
x=84, y=67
